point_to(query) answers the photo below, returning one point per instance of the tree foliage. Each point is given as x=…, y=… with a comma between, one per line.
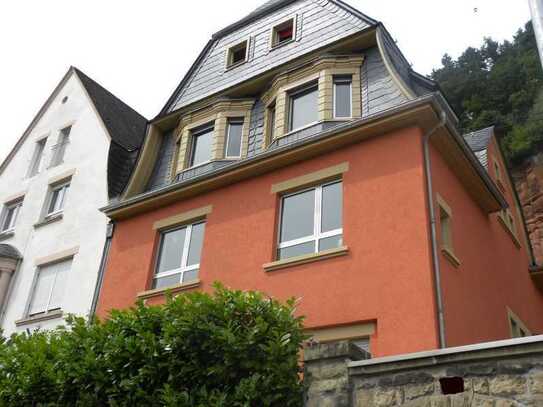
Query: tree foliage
x=498, y=84
x=231, y=348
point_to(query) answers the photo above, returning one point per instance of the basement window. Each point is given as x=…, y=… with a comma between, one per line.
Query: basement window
x=237, y=54
x=283, y=33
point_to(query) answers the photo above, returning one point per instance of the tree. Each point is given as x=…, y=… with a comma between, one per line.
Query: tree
x=231, y=348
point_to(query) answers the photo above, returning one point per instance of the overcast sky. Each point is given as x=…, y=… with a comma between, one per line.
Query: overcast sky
x=140, y=50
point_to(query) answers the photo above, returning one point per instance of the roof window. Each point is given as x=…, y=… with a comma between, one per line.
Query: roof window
x=237, y=54
x=283, y=33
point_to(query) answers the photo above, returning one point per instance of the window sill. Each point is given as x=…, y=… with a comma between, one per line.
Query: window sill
x=39, y=318
x=172, y=289
x=511, y=234
x=6, y=234
x=234, y=66
x=48, y=220
x=307, y=258
x=282, y=44
x=450, y=256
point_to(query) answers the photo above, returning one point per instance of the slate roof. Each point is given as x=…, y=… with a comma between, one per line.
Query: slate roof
x=126, y=128
x=478, y=142
x=8, y=251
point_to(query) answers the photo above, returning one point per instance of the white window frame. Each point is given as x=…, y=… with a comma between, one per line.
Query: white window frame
x=63, y=189
x=235, y=120
x=343, y=79
x=35, y=284
x=274, y=44
x=312, y=85
x=230, y=54
x=194, y=133
x=37, y=159
x=16, y=207
x=317, y=220
x=183, y=268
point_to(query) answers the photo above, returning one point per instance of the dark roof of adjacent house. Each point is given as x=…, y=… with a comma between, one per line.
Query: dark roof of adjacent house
x=125, y=126
x=10, y=252
x=478, y=143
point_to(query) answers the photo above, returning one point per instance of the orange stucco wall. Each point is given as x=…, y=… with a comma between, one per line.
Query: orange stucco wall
x=493, y=273
x=386, y=277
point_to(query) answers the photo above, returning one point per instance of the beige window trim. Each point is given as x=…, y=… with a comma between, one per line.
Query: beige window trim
x=311, y=178
x=64, y=177
x=322, y=70
x=230, y=54
x=446, y=234
x=513, y=319
x=273, y=31
x=46, y=316
x=336, y=333
x=508, y=227
x=157, y=292
x=53, y=258
x=306, y=258
x=14, y=198
x=184, y=217
x=219, y=113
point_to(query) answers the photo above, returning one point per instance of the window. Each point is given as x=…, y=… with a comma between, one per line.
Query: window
x=517, y=327
x=179, y=255
x=237, y=54
x=271, y=122
x=311, y=221
x=342, y=96
x=446, y=234
x=49, y=287
x=201, y=145
x=35, y=164
x=234, y=134
x=60, y=147
x=57, y=199
x=283, y=33
x=9, y=217
x=303, y=107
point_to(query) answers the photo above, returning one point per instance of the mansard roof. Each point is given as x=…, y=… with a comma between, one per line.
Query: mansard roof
x=478, y=142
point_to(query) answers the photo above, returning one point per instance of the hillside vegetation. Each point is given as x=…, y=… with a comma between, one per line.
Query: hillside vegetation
x=499, y=84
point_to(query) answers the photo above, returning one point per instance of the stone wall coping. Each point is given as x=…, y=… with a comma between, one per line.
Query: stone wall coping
x=470, y=353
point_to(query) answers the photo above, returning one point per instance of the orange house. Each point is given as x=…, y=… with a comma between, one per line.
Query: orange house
x=302, y=156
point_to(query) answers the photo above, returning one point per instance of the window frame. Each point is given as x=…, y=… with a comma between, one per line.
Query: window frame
x=446, y=233
x=237, y=121
x=230, y=64
x=59, y=149
x=15, y=205
x=183, y=268
x=194, y=134
x=30, y=301
x=342, y=79
x=312, y=86
x=274, y=43
x=63, y=188
x=317, y=220
x=37, y=157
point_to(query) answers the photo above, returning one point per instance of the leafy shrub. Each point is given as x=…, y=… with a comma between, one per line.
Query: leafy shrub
x=231, y=348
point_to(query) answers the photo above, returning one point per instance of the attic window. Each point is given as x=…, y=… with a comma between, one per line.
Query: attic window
x=237, y=54
x=283, y=33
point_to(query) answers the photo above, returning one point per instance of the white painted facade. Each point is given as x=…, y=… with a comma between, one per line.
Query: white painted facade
x=81, y=231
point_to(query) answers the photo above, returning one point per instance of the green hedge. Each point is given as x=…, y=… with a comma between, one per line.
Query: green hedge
x=231, y=348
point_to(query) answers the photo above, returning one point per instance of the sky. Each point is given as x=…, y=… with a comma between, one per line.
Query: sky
x=140, y=50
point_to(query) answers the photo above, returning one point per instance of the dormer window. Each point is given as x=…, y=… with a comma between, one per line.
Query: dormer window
x=283, y=33
x=201, y=142
x=237, y=54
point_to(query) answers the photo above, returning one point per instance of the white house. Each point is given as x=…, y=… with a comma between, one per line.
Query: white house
x=52, y=184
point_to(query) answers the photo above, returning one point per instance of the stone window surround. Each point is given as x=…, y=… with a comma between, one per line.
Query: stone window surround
x=322, y=71
x=219, y=114
x=508, y=227
x=62, y=179
x=360, y=330
x=447, y=249
x=511, y=316
x=17, y=199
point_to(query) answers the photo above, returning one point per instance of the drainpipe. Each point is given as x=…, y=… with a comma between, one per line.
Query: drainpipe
x=433, y=233
x=101, y=270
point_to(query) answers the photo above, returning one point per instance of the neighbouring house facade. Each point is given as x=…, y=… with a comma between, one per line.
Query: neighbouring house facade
x=303, y=157
x=52, y=184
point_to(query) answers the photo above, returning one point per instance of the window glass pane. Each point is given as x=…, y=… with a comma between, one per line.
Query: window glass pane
x=171, y=250
x=42, y=290
x=190, y=275
x=330, y=243
x=36, y=159
x=233, y=148
x=342, y=98
x=272, y=123
x=167, y=281
x=298, y=250
x=61, y=270
x=196, y=242
x=297, y=217
x=8, y=219
x=201, y=147
x=53, y=205
x=332, y=205
x=303, y=108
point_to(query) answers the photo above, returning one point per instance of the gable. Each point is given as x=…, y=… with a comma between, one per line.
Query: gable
x=318, y=23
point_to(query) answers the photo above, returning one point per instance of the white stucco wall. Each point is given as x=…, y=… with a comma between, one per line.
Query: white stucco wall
x=82, y=225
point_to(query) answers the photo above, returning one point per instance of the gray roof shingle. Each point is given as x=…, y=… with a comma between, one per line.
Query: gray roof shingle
x=478, y=143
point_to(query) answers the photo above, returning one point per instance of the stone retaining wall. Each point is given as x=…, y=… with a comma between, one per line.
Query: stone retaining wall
x=498, y=374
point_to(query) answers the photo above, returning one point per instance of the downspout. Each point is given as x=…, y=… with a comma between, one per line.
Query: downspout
x=433, y=233
x=101, y=270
